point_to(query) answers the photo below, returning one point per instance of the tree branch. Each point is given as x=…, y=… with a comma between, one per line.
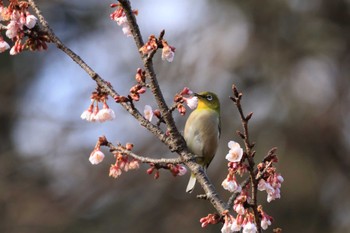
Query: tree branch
x=105, y=86
x=249, y=155
x=176, y=142
x=144, y=159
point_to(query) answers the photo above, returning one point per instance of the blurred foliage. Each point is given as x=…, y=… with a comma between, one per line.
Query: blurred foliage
x=291, y=60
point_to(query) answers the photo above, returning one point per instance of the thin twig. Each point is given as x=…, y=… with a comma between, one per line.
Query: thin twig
x=144, y=159
x=250, y=154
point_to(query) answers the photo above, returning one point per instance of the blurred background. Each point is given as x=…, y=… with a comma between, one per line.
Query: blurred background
x=290, y=58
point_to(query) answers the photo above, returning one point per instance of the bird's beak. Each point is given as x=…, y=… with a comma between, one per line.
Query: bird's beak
x=196, y=94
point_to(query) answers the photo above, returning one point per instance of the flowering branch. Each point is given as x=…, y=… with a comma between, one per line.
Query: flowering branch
x=263, y=177
x=104, y=85
x=249, y=152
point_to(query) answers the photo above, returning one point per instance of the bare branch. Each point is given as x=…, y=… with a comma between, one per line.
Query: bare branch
x=144, y=159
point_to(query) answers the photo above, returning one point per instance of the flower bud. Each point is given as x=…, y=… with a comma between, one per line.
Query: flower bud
x=129, y=146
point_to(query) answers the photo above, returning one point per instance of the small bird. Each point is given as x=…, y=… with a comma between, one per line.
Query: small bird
x=202, y=131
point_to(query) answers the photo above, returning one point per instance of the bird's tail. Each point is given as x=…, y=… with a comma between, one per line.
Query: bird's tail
x=191, y=183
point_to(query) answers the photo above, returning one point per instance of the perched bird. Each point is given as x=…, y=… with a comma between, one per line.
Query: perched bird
x=202, y=131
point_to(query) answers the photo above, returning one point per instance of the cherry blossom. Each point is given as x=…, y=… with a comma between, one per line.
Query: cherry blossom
x=236, y=152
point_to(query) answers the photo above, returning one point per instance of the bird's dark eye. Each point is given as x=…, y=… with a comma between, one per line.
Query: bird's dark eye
x=209, y=97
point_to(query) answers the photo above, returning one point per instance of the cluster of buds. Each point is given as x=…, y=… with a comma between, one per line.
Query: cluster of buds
x=136, y=91
x=241, y=201
x=168, y=52
x=121, y=99
x=271, y=183
x=175, y=169
x=210, y=219
x=230, y=183
x=120, y=17
x=140, y=77
x=94, y=113
x=152, y=169
x=269, y=180
x=20, y=25
x=123, y=162
x=232, y=224
x=191, y=101
x=246, y=222
x=266, y=219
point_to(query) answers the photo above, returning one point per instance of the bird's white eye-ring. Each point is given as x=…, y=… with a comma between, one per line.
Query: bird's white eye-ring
x=209, y=97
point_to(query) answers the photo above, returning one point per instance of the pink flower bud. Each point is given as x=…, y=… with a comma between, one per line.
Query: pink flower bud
x=148, y=113
x=30, y=21
x=186, y=91
x=96, y=156
x=142, y=90
x=3, y=45
x=191, y=102
x=115, y=171
x=150, y=170
x=156, y=175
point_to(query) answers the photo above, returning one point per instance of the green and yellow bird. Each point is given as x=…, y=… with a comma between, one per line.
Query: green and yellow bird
x=202, y=131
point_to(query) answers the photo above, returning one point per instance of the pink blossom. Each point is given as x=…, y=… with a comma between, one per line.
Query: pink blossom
x=148, y=112
x=127, y=30
x=12, y=29
x=96, y=156
x=121, y=21
x=16, y=48
x=105, y=114
x=226, y=228
x=191, y=102
x=134, y=164
x=250, y=228
x=231, y=185
x=3, y=45
x=168, y=53
x=265, y=219
x=263, y=185
x=87, y=114
x=265, y=223
x=115, y=171
x=186, y=91
x=119, y=16
x=239, y=208
x=236, y=152
x=94, y=115
x=276, y=194
x=182, y=170
x=1, y=10
x=13, y=50
x=15, y=16
x=280, y=178
x=235, y=226
x=272, y=188
x=22, y=19
x=30, y=21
